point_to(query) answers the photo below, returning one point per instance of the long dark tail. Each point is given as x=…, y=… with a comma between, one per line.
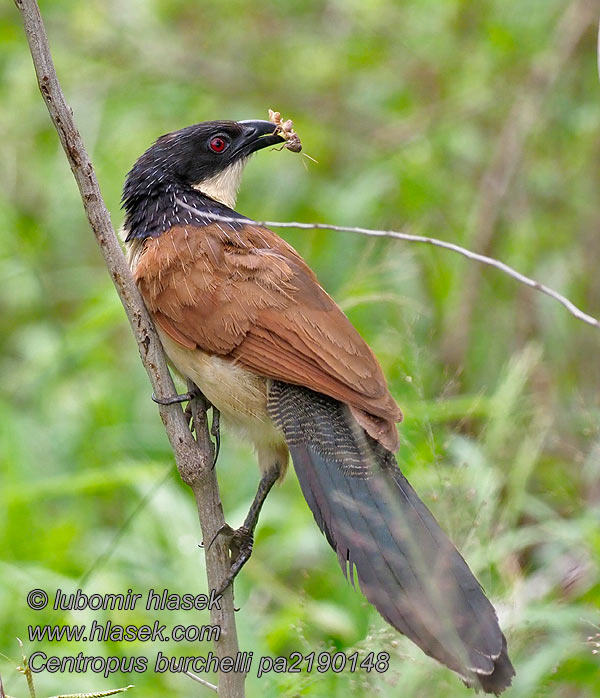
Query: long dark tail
x=407, y=567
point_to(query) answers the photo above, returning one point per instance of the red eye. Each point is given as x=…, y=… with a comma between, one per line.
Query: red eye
x=217, y=144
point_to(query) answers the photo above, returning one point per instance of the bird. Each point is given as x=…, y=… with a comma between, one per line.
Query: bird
x=243, y=317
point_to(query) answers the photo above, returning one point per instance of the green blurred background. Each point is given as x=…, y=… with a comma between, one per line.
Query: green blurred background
x=476, y=122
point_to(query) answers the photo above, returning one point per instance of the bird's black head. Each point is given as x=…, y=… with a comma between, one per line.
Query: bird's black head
x=207, y=158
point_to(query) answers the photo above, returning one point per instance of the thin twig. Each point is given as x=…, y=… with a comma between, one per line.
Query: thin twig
x=194, y=461
x=202, y=681
x=114, y=542
x=490, y=261
x=101, y=694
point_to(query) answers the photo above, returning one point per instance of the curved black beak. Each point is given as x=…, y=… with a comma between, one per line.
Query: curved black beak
x=259, y=134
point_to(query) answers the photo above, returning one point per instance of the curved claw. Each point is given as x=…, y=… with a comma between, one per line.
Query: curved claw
x=174, y=399
x=225, y=528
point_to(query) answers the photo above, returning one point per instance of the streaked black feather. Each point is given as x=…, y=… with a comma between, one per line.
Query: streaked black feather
x=406, y=565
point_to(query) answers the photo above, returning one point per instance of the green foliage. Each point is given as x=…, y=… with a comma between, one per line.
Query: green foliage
x=403, y=105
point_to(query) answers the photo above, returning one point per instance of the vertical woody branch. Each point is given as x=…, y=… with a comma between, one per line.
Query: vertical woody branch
x=193, y=457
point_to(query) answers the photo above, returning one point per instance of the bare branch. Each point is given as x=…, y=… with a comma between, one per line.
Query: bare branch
x=194, y=460
x=207, y=684
x=407, y=237
x=101, y=694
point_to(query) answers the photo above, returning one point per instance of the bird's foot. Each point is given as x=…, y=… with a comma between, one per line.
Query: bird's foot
x=215, y=431
x=241, y=541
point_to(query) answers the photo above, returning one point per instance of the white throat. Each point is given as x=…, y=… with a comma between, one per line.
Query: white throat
x=224, y=186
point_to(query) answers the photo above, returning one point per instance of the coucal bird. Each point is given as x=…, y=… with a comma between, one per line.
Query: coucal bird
x=241, y=314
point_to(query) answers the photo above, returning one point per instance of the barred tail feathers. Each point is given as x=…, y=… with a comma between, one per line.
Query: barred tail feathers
x=372, y=517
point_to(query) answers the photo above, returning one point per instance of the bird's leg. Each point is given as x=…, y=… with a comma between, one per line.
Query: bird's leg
x=215, y=430
x=195, y=393
x=242, y=539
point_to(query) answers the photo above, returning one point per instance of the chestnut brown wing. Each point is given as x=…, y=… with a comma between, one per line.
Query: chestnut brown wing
x=246, y=294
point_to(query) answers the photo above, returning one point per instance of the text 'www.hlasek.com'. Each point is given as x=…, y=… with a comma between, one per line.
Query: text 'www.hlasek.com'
x=106, y=630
